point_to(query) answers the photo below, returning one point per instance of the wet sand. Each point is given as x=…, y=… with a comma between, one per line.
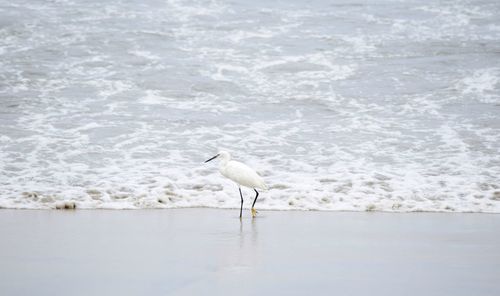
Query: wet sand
x=208, y=251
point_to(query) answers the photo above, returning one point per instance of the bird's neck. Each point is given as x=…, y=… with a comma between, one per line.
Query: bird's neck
x=223, y=162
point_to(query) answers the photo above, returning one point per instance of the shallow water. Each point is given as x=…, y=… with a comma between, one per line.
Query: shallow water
x=378, y=105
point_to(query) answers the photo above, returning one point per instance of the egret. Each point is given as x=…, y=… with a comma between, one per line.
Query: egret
x=242, y=175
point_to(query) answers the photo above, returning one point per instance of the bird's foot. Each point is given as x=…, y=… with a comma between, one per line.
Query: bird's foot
x=254, y=213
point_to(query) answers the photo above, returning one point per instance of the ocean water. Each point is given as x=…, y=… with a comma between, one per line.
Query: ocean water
x=340, y=105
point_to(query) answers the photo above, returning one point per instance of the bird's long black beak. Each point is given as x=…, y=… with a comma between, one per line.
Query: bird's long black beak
x=212, y=158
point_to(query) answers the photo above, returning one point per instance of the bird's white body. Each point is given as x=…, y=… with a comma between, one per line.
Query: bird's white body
x=241, y=174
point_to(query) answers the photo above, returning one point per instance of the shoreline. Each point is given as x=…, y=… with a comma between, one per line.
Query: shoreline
x=244, y=209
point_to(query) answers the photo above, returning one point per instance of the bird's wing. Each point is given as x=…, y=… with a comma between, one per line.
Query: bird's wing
x=244, y=175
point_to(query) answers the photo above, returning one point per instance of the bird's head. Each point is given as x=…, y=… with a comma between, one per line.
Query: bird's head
x=223, y=155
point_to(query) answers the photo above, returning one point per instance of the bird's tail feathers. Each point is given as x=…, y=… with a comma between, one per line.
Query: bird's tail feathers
x=264, y=186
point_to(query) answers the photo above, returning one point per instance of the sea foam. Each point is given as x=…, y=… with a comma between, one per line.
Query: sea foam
x=369, y=107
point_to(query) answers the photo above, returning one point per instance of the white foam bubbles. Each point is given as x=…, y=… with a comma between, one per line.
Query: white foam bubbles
x=339, y=107
x=483, y=84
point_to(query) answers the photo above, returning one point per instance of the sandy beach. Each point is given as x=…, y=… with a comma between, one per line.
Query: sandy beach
x=208, y=251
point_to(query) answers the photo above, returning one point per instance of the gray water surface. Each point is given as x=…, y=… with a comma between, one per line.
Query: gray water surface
x=340, y=105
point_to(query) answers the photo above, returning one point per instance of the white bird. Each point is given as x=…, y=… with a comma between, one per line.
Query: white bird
x=241, y=174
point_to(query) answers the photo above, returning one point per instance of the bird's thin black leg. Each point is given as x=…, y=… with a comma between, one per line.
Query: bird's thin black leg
x=255, y=197
x=241, y=195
